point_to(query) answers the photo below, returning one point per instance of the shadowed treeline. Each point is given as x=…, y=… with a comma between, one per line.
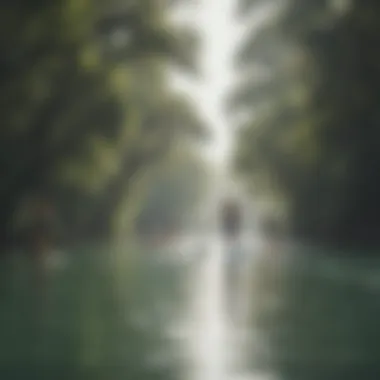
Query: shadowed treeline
x=310, y=96
x=86, y=107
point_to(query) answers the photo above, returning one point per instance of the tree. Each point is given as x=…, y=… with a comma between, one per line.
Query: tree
x=78, y=118
x=314, y=131
x=167, y=195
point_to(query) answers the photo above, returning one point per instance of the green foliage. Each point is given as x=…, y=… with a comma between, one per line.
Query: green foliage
x=313, y=128
x=169, y=193
x=85, y=105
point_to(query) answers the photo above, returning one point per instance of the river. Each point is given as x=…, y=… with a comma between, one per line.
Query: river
x=126, y=313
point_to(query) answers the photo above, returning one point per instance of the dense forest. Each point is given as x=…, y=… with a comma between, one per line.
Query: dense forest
x=309, y=92
x=171, y=203
x=86, y=108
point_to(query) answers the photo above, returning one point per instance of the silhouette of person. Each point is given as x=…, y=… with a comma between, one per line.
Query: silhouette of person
x=231, y=225
x=231, y=219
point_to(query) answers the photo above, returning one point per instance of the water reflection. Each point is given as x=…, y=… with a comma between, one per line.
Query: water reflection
x=218, y=330
x=301, y=313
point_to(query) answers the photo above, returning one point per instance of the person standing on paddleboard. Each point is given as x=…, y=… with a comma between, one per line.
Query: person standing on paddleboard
x=231, y=220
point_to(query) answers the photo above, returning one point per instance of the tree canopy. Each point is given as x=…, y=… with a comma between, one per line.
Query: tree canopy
x=86, y=104
x=312, y=134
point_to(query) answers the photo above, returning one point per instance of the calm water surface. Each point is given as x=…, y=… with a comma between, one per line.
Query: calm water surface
x=129, y=313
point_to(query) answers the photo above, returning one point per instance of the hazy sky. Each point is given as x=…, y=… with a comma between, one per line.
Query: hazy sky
x=220, y=34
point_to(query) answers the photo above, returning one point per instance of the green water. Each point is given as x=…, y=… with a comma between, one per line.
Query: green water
x=98, y=316
x=104, y=314
x=319, y=315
